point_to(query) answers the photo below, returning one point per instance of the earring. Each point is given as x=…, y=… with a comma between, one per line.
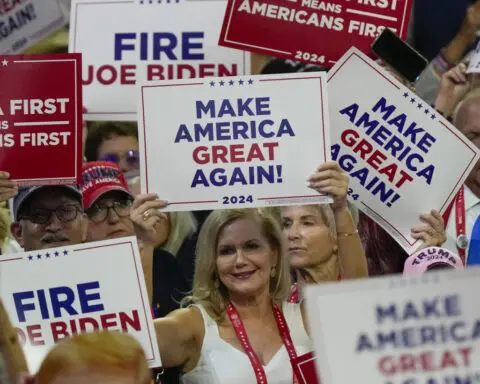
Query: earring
x=273, y=272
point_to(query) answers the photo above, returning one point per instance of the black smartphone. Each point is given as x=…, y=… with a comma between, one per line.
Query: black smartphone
x=399, y=55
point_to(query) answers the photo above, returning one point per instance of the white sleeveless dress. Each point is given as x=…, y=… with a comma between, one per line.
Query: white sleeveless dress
x=221, y=363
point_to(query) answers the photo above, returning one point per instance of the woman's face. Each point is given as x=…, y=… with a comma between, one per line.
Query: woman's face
x=308, y=236
x=245, y=258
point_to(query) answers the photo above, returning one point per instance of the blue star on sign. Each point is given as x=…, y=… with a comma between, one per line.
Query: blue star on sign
x=47, y=255
x=405, y=94
x=212, y=83
x=432, y=116
x=65, y=252
x=427, y=111
x=240, y=82
x=39, y=256
x=30, y=257
x=412, y=100
x=231, y=82
x=250, y=81
x=222, y=83
x=57, y=254
x=419, y=105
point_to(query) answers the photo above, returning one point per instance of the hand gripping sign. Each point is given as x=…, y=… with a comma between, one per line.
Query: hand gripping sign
x=54, y=293
x=41, y=118
x=397, y=150
x=236, y=142
x=397, y=330
x=146, y=40
x=25, y=22
x=312, y=31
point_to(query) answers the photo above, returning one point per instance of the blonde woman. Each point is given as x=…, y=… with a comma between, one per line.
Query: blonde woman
x=323, y=241
x=5, y=222
x=239, y=312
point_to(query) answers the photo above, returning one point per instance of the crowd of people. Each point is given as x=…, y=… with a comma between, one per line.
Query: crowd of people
x=224, y=285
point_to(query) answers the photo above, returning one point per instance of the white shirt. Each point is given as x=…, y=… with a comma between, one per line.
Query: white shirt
x=472, y=210
x=221, y=363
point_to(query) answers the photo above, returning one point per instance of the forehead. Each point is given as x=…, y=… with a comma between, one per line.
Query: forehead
x=468, y=119
x=241, y=230
x=51, y=196
x=117, y=142
x=112, y=196
x=300, y=211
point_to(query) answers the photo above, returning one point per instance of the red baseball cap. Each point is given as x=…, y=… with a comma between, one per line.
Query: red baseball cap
x=100, y=177
x=428, y=258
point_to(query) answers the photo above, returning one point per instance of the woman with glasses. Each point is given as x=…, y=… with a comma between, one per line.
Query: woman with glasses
x=115, y=142
x=108, y=204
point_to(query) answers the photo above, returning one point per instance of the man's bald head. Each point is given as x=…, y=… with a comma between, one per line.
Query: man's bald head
x=467, y=121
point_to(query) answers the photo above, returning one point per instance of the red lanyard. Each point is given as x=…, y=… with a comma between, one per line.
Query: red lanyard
x=293, y=298
x=247, y=347
x=462, y=240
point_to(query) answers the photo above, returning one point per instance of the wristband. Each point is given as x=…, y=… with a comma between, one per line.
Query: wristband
x=448, y=118
x=441, y=63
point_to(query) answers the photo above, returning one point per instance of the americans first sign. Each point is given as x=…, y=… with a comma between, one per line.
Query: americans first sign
x=312, y=31
x=41, y=118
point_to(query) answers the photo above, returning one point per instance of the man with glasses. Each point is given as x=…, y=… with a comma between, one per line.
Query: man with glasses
x=48, y=217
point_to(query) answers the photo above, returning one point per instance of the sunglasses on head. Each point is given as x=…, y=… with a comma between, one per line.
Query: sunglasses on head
x=131, y=157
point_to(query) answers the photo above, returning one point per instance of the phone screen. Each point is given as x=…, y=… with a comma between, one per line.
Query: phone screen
x=399, y=55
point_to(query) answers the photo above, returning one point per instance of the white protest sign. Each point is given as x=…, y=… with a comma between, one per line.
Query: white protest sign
x=135, y=41
x=25, y=22
x=54, y=293
x=397, y=330
x=474, y=65
x=235, y=142
x=397, y=150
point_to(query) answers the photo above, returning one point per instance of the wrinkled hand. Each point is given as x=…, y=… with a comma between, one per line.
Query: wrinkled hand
x=330, y=178
x=145, y=215
x=8, y=188
x=431, y=231
x=454, y=85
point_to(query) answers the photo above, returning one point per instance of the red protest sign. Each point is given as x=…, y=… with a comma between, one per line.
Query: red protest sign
x=304, y=369
x=312, y=31
x=41, y=118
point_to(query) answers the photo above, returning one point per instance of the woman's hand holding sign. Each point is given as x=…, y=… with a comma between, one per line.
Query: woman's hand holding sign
x=146, y=217
x=431, y=231
x=330, y=178
x=454, y=85
x=8, y=188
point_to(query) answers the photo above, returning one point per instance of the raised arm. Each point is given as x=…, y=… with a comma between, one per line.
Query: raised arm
x=329, y=178
x=180, y=337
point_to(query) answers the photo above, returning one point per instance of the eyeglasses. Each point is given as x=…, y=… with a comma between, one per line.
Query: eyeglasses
x=99, y=212
x=131, y=157
x=64, y=213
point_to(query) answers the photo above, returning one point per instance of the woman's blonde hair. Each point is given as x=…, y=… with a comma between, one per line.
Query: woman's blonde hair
x=182, y=224
x=208, y=290
x=109, y=351
x=5, y=222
